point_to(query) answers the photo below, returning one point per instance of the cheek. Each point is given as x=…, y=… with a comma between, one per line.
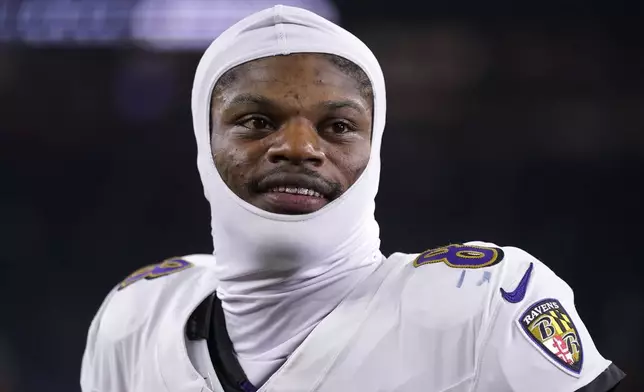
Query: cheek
x=353, y=163
x=233, y=164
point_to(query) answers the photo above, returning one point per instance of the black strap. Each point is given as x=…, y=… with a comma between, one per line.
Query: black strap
x=229, y=371
x=207, y=322
x=198, y=326
x=607, y=381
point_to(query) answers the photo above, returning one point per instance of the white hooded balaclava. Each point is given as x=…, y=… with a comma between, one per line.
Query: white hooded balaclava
x=281, y=274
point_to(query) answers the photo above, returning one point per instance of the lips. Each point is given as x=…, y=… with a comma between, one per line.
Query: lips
x=295, y=193
x=297, y=184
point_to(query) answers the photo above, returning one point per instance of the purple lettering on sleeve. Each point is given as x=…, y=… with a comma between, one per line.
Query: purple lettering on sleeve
x=461, y=256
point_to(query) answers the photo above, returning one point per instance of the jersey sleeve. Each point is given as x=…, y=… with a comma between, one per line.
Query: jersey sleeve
x=536, y=340
x=104, y=363
x=123, y=342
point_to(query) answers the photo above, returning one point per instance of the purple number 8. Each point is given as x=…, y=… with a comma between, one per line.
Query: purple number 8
x=461, y=256
x=164, y=268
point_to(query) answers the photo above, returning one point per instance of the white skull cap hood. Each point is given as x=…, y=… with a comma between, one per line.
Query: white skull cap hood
x=250, y=242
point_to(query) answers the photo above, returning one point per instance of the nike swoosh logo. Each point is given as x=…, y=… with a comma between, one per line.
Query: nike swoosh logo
x=519, y=293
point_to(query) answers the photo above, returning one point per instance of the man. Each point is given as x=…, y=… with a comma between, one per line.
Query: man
x=289, y=111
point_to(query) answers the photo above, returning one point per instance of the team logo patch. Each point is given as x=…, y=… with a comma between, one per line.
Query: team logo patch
x=461, y=256
x=548, y=327
x=154, y=271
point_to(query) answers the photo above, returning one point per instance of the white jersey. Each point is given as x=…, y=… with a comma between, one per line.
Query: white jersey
x=461, y=318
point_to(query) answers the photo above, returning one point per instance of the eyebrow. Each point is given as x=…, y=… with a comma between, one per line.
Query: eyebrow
x=331, y=105
x=260, y=100
x=248, y=98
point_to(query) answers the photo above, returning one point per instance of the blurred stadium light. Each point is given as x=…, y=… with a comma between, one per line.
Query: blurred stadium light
x=63, y=22
x=158, y=24
x=192, y=24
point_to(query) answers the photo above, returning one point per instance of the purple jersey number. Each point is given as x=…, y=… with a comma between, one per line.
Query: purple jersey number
x=461, y=256
x=154, y=271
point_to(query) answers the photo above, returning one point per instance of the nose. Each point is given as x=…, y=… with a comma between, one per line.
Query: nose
x=298, y=143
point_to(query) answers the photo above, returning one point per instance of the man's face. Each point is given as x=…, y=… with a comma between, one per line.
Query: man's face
x=290, y=133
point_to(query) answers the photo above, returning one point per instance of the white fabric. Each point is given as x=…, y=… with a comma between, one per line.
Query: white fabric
x=303, y=287
x=433, y=328
x=279, y=274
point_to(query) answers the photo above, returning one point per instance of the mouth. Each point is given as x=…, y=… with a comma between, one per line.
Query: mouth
x=293, y=190
x=295, y=194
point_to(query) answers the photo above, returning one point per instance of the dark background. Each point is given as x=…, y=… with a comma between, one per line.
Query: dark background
x=520, y=126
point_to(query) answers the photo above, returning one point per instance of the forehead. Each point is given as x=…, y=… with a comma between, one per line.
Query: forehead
x=309, y=76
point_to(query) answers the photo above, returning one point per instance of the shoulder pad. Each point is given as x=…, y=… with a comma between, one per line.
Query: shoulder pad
x=449, y=285
x=460, y=281
x=145, y=292
x=166, y=267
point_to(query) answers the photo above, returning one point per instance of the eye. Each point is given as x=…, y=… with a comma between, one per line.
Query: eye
x=341, y=127
x=256, y=123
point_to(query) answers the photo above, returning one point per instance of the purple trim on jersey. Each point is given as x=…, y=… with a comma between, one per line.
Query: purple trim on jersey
x=461, y=256
x=247, y=386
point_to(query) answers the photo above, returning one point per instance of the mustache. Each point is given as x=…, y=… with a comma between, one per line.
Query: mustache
x=303, y=177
